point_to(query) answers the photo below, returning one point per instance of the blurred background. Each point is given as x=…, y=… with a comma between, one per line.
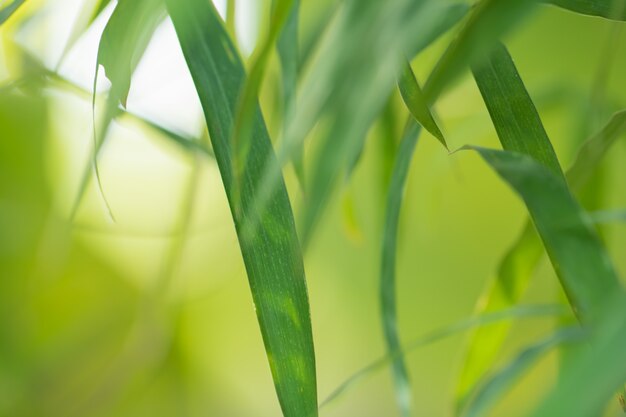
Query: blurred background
x=148, y=312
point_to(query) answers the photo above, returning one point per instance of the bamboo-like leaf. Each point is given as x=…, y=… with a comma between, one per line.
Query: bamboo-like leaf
x=416, y=102
x=499, y=383
x=597, y=372
x=519, y=312
x=388, y=264
x=8, y=10
x=520, y=261
x=512, y=110
x=123, y=42
x=488, y=22
x=610, y=9
x=573, y=246
x=272, y=255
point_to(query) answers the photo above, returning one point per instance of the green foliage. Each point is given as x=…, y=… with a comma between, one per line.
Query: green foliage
x=272, y=255
x=79, y=337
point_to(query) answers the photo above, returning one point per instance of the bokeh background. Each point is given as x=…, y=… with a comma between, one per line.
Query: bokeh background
x=150, y=314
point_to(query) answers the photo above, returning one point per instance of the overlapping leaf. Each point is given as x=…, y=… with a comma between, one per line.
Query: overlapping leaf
x=271, y=255
x=8, y=10
x=610, y=9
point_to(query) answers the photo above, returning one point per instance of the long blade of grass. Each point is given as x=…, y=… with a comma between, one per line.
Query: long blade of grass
x=482, y=320
x=579, y=258
x=597, y=372
x=609, y=9
x=416, y=102
x=272, y=255
x=504, y=379
x=488, y=22
x=517, y=266
x=123, y=42
x=7, y=11
x=388, y=264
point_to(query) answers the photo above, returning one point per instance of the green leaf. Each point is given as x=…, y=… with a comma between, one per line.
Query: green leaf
x=488, y=22
x=416, y=102
x=90, y=10
x=512, y=110
x=597, y=372
x=503, y=380
x=610, y=9
x=573, y=246
x=123, y=43
x=365, y=77
x=520, y=261
x=7, y=11
x=271, y=255
x=388, y=264
x=489, y=319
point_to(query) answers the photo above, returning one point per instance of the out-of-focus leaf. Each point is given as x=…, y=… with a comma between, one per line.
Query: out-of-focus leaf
x=608, y=216
x=518, y=312
x=573, y=246
x=287, y=46
x=123, y=42
x=416, y=102
x=248, y=100
x=520, y=261
x=595, y=373
x=89, y=11
x=504, y=379
x=8, y=10
x=519, y=129
x=487, y=23
x=272, y=255
x=363, y=77
x=610, y=9
x=388, y=264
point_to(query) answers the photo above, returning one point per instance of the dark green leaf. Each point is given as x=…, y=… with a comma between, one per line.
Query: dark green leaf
x=272, y=254
x=388, y=264
x=610, y=9
x=416, y=102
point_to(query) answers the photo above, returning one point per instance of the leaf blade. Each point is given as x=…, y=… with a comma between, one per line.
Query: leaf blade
x=272, y=255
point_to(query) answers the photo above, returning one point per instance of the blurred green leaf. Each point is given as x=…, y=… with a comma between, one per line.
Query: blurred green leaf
x=488, y=319
x=416, y=102
x=488, y=22
x=388, y=264
x=517, y=266
x=123, y=43
x=8, y=10
x=287, y=46
x=595, y=373
x=610, y=9
x=271, y=255
x=502, y=381
x=573, y=246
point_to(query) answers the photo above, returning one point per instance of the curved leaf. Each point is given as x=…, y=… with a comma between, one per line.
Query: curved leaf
x=272, y=255
x=388, y=264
